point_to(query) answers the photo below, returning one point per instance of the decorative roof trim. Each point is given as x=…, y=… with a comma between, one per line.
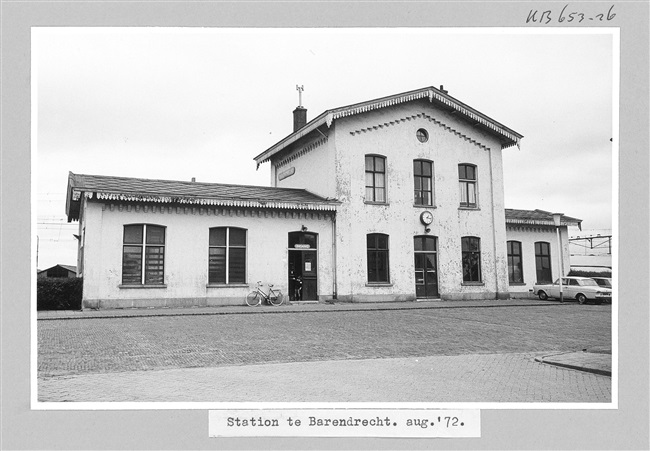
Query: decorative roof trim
x=329, y=116
x=302, y=152
x=563, y=222
x=514, y=216
x=425, y=116
x=211, y=201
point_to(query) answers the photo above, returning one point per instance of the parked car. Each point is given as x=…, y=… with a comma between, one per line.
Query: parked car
x=603, y=281
x=582, y=289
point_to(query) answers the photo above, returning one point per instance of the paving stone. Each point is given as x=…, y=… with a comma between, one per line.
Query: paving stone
x=140, y=348
x=467, y=378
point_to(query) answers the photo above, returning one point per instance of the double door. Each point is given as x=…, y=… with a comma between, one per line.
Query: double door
x=426, y=267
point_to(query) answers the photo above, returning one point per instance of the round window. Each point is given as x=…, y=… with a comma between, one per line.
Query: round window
x=422, y=135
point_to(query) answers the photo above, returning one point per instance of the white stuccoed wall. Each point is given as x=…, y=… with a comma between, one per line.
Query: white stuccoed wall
x=186, y=255
x=337, y=169
x=528, y=236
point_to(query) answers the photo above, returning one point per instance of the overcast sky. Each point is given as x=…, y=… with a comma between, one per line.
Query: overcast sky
x=199, y=102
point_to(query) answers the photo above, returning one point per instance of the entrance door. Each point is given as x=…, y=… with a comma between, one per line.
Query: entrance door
x=426, y=267
x=303, y=266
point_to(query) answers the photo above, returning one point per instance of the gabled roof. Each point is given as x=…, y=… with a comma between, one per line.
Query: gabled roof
x=507, y=136
x=538, y=217
x=189, y=193
x=67, y=267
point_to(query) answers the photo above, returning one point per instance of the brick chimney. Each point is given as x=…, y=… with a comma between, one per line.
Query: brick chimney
x=299, y=117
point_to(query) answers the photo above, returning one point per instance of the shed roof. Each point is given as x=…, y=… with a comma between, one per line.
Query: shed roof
x=538, y=217
x=197, y=193
x=507, y=136
x=67, y=267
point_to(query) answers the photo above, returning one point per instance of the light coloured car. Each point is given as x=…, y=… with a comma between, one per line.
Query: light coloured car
x=603, y=282
x=582, y=289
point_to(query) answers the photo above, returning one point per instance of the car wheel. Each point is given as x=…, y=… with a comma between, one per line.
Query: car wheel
x=581, y=298
x=542, y=295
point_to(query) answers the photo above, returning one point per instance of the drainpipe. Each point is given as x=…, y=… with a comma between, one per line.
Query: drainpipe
x=334, y=292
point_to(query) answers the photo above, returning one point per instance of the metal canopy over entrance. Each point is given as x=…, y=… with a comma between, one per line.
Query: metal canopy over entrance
x=303, y=266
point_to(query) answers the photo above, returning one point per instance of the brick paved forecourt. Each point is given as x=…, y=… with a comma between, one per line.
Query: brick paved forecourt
x=467, y=378
x=345, y=346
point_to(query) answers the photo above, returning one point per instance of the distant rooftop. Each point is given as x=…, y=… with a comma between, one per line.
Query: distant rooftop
x=67, y=267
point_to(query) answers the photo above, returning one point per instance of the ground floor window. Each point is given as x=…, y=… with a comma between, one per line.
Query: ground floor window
x=143, y=255
x=377, y=245
x=227, y=255
x=471, y=250
x=543, y=262
x=515, y=266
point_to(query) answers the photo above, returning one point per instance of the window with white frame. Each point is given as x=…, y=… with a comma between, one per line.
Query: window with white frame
x=515, y=264
x=143, y=255
x=375, y=178
x=423, y=182
x=227, y=255
x=467, y=183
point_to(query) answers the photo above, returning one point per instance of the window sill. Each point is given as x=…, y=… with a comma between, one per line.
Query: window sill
x=378, y=284
x=227, y=285
x=517, y=284
x=424, y=206
x=469, y=208
x=142, y=286
x=473, y=284
x=375, y=203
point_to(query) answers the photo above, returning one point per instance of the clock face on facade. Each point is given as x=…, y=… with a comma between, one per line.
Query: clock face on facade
x=426, y=217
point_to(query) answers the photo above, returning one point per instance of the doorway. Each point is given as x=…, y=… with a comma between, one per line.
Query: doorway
x=426, y=267
x=303, y=266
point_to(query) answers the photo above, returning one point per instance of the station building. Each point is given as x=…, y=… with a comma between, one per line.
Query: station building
x=394, y=199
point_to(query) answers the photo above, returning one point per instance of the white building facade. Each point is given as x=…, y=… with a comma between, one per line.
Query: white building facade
x=395, y=199
x=389, y=161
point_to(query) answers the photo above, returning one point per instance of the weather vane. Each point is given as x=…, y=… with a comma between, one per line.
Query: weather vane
x=300, y=89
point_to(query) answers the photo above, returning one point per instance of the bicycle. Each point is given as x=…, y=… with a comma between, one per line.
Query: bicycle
x=274, y=297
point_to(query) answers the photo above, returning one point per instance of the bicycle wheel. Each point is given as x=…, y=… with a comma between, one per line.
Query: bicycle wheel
x=276, y=298
x=253, y=299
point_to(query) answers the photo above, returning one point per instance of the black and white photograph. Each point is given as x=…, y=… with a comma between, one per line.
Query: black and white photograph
x=410, y=217
x=328, y=220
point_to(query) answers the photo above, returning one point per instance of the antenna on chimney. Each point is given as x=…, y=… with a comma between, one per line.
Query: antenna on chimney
x=300, y=89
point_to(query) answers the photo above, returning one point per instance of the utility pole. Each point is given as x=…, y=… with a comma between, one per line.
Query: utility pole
x=557, y=220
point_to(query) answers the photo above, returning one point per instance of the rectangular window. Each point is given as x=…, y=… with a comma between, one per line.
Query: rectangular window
x=375, y=179
x=143, y=255
x=227, y=255
x=377, y=246
x=423, y=180
x=467, y=181
x=515, y=266
x=471, y=250
x=543, y=262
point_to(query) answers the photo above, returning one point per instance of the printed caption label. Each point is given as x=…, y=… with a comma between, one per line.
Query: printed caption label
x=345, y=423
